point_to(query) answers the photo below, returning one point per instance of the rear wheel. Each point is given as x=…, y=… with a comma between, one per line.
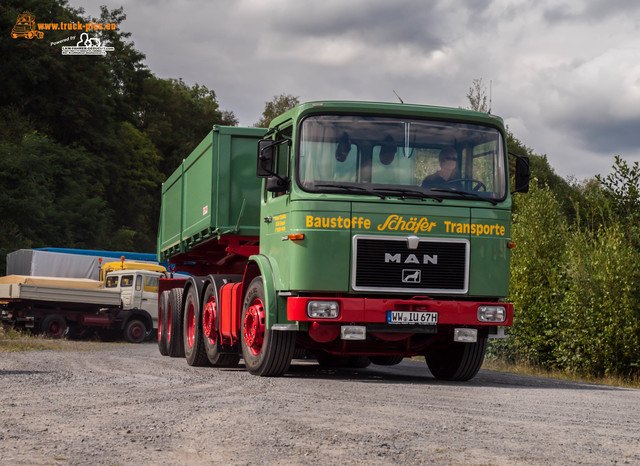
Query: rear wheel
x=192, y=334
x=175, y=344
x=163, y=306
x=135, y=331
x=265, y=352
x=54, y=326
x=210, y=336
x=457, y=361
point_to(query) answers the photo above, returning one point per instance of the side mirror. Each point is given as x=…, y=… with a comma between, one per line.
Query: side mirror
x=266, y=158
x=523, y=174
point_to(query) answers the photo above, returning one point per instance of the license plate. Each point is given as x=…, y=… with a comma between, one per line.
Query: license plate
x=407, y=317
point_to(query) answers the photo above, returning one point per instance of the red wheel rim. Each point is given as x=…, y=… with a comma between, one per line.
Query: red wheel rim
x=55, y=328
x=191, y=324
x=253, y=326
x=160, y=329
x=136, y=331
x=209, y=321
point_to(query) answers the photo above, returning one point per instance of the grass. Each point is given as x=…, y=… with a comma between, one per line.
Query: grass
x=20, y=340
x=498, y=365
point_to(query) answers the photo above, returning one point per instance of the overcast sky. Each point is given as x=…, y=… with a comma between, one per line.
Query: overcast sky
x=565, y=74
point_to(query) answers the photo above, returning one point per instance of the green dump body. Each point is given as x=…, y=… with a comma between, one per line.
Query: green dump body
x=215, y=192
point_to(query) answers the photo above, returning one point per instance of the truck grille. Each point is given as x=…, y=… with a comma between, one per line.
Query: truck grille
x=386, y=263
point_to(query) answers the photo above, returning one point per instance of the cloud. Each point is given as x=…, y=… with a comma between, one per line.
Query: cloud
x=564, y=74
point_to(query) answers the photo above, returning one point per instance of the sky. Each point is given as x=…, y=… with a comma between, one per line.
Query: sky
x=564, y=75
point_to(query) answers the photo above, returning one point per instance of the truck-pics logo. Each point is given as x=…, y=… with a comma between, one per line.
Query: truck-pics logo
x=26, y=27
x=86, y=46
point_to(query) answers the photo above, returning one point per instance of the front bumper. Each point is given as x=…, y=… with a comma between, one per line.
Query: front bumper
x=374, y=310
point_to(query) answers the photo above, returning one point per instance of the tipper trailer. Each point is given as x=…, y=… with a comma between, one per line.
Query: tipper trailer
x=372, y=232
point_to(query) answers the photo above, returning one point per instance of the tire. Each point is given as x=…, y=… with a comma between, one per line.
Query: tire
x=135, y=331
x=210, y=336
x=386, y=360
x=54, y=326
x=163, y=306
x=265, y=352
x=457, y=361
x=175, y=345
x=194, y=350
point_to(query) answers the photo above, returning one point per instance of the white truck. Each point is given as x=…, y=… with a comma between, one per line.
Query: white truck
x=123, y=303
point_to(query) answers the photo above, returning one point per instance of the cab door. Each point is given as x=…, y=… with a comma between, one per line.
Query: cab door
x=127, y=293
x=149, y=295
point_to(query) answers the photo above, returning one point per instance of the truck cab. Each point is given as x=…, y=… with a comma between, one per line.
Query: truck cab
x=138, y=290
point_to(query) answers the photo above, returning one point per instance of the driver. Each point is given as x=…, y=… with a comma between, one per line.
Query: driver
x=448, y=159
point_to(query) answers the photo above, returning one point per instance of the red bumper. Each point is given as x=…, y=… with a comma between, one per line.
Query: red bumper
x=371, y=310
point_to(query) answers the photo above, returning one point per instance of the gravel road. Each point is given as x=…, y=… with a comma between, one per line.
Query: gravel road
x=125, y=404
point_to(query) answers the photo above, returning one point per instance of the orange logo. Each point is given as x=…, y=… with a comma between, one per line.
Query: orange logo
x=26, y=27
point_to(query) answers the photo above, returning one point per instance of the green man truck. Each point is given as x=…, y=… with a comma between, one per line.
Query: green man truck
x=356, y=232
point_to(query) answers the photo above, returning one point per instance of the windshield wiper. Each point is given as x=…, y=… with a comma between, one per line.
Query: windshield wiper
x=351, y=189
x=409, y=193
x=465, y=193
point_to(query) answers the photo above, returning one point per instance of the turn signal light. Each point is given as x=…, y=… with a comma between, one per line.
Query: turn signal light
x=296, y=237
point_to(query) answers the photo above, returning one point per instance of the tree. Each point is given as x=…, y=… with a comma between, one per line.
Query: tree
x=477, y=96
x=176, y=116
x=622, y=186
x=280, y=104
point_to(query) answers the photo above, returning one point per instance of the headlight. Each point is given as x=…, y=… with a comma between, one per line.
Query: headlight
x=323, y=309
x=492, y=313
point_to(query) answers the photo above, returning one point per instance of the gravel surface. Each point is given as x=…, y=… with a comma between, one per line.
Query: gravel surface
x=125, y=404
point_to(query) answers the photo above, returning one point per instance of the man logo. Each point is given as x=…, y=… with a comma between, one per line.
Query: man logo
x=411, y=276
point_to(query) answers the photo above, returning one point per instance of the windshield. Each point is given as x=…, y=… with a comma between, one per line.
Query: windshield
x=396, y=156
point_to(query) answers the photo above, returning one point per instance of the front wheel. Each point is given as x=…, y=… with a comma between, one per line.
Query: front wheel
x=266, y=352
x=457, y=361
x=135, y=331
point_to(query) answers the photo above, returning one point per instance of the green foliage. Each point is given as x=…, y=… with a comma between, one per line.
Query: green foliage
x=575, y=283
x=176, y=117
x=85, y=141
x=622, y=188
x=48, y=195
x=601, y=313
x=540, y=231
x=477, y=96
x=280, y=104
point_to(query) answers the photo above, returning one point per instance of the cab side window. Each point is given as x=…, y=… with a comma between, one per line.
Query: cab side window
x=138, y=282
x=151, y=284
